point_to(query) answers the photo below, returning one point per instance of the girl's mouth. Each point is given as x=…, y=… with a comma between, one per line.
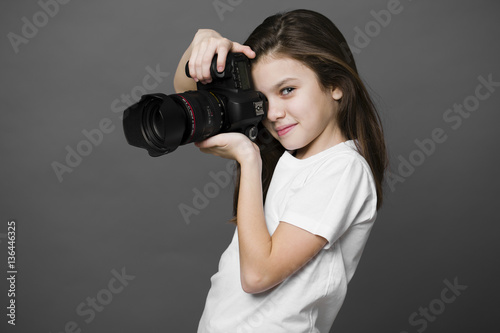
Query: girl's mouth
x=285, y=130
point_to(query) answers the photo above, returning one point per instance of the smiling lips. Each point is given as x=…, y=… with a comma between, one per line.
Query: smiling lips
x=282, y=130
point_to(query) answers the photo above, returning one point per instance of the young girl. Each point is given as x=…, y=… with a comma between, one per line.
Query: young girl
x=290, y=260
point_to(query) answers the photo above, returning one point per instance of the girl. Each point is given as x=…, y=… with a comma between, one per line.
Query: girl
x=290, y=260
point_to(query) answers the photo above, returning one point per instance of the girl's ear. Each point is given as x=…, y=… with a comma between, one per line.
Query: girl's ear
x=337, y=94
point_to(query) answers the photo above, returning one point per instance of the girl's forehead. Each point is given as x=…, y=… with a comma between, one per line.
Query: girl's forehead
x=273, y=59
x=268, y=71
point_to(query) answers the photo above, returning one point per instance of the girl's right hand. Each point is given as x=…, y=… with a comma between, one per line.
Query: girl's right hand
x=206, y=43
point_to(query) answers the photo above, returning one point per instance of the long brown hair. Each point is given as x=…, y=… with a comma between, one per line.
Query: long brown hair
x=314, y=40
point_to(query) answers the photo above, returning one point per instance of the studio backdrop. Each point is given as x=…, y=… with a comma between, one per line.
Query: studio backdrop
x=97, y=236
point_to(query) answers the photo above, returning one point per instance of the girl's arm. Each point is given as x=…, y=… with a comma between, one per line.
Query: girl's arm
x=265, y=261
x=183, y=83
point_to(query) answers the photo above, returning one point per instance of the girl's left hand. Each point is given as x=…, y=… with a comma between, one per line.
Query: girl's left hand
x=235, y=146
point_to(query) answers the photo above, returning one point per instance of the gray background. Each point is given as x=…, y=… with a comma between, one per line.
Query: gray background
x=119, y=208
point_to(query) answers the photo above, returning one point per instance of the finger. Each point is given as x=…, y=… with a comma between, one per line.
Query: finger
x=203, y=145
x=213, y=141
x=192, y=67
x=222, y=52
x=194, y=61
x=221, y=59
x=207, y=62
x=198, y=61
x=205, y=150
x=245, y=49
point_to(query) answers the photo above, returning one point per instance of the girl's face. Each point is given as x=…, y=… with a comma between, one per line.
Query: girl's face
x=301, y=115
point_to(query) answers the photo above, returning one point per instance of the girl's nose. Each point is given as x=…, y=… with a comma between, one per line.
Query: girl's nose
x=275, y=111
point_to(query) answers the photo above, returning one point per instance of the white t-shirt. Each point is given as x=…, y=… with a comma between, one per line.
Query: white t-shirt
x=331, y=194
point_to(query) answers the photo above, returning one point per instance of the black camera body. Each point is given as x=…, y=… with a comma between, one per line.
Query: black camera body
x=160, y=123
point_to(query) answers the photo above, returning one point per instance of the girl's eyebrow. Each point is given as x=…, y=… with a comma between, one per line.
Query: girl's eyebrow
x=283, y=82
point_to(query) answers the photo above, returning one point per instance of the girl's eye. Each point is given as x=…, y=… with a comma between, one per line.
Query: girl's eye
x=286, y=91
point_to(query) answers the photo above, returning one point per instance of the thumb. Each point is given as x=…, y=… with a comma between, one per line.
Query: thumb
x=208, y=143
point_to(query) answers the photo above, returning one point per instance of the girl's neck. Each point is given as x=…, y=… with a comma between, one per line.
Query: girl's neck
x=315, y=147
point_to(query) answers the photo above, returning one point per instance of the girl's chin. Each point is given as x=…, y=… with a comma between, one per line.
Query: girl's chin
x=290, y=145
x=286, y=142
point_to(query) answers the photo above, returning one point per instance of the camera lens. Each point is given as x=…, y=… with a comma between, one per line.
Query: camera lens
x=161, y=123
x=205, y=114
x=158, y=125
x=153, y=127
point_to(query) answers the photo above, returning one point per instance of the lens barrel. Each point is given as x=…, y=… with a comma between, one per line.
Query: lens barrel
x=160, y=123
x=204, y=112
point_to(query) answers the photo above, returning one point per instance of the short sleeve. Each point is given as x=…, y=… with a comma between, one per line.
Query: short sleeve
x=338, y=194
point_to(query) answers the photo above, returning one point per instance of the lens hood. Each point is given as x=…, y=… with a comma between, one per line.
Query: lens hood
x=142, y=112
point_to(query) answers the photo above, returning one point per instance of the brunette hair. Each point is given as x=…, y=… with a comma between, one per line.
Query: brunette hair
x=312, y=39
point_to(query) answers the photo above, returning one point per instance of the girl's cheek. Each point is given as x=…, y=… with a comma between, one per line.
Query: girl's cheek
x=266, y=124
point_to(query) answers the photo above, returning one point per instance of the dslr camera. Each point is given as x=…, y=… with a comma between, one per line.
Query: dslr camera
x=160, y=123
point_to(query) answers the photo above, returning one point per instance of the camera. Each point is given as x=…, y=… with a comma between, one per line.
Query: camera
x=160, y=123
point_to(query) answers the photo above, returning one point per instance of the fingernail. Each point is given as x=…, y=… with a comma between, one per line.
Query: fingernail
x=220, y=69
